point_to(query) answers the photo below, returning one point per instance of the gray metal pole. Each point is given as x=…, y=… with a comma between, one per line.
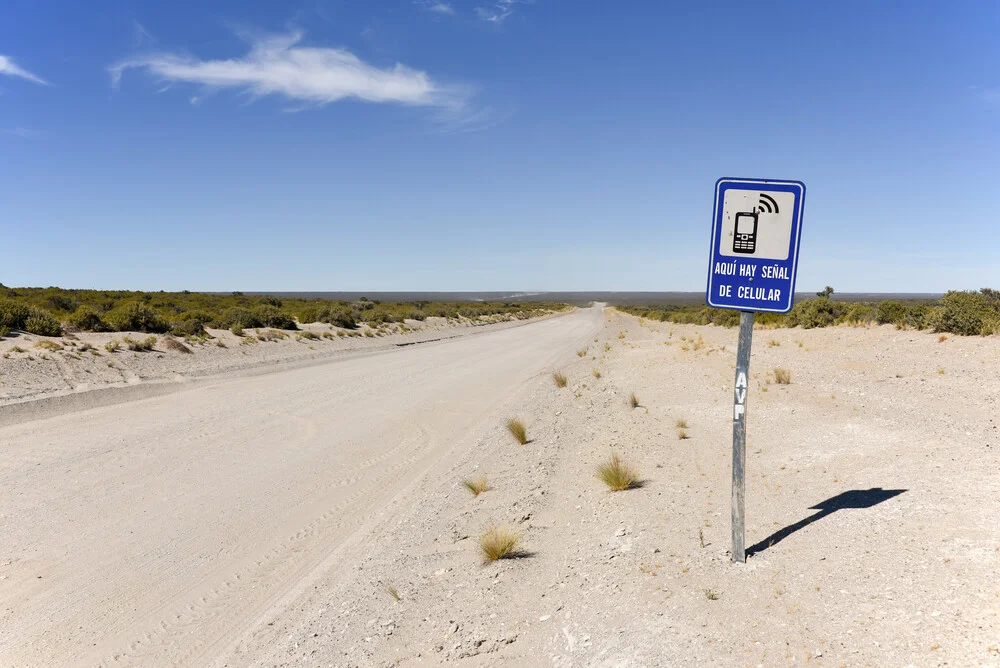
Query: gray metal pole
x=740, y=434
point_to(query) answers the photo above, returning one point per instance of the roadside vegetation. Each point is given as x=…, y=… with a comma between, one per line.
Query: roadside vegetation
x=46, y=311
x=968, y=313
x=617, y=475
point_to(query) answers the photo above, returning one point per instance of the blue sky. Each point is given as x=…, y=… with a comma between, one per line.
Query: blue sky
x=490, y=144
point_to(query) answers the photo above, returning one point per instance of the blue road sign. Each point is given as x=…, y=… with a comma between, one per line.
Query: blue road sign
x=755, y=244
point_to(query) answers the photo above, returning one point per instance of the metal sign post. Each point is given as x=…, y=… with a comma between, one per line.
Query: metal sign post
x=752, y=263
x=740, y=434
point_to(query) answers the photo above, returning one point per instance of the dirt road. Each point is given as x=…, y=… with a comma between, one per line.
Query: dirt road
x=157, y=531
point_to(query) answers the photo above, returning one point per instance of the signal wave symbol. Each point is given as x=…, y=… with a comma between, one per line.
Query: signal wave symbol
x=767, y=204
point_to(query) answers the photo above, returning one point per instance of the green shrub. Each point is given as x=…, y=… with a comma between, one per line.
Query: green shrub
x=187, y=328
x=819, y=312
x=966, y=313
x=237, y=329
x=268, y=315
x=890, y=313
x=135, y=317
x=88, y=320
x=4, y=331
x=342, y=318
x=13, y=314
x=42, y=324
x=859, y=314
x=236, y=316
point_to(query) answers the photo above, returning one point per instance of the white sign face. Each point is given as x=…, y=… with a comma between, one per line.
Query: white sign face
x=756, y=224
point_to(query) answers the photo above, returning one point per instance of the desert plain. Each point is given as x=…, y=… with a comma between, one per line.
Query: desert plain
x=306, y=507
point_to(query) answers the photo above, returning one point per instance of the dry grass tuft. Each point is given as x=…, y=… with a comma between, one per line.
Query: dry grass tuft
x=773, y=343
x=782, y=376
x=582, y=352
x=499, y=542
x=393, y=592
x=48, y=345
x=682, y=435
x=942, y=338
x=559, y=379
x=517, y=430
x=617, y=475
x=477, y=485
x=633, y=400
x=682, y=423
x=711, y=595
x=596, y=373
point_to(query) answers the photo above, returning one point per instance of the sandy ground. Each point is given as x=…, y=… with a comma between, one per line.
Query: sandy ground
x=32, y=367
x=263, y=521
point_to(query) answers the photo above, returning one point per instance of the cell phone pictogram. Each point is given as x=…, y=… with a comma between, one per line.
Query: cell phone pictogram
x=745, y=234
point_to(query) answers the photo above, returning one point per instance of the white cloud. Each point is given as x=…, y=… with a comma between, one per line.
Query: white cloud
x=439, y=8
x=499, y=10
x=277, y=65
x=11, y=69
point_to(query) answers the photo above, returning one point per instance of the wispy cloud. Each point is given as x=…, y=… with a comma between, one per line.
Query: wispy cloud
x=23, y=133
x=11, y=69
x=278, y=65
x=436, y=7
x=499, y=10
x=141, y=36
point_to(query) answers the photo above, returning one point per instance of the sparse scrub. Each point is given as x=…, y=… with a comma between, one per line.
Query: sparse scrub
x=559, y=379
x=617, y=475
x=476, y=485
x=517, y=430
x=782, y=376
x=499, y=542
x=18, y=349
x=142, y=346
x=249, y=341
x=48, y=345
x=307, y=335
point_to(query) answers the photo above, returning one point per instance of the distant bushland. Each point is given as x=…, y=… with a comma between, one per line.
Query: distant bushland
x=43, y=311
x=959, y=312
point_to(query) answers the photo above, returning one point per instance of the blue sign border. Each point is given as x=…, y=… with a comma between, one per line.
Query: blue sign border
x=798, y=189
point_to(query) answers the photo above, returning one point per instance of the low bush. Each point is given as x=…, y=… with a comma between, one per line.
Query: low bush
x=187, y=328
x=135, y=317
x=142, y=346
x=113, y=345
x=42, y=324
x=88, y=320
x=559, y=379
